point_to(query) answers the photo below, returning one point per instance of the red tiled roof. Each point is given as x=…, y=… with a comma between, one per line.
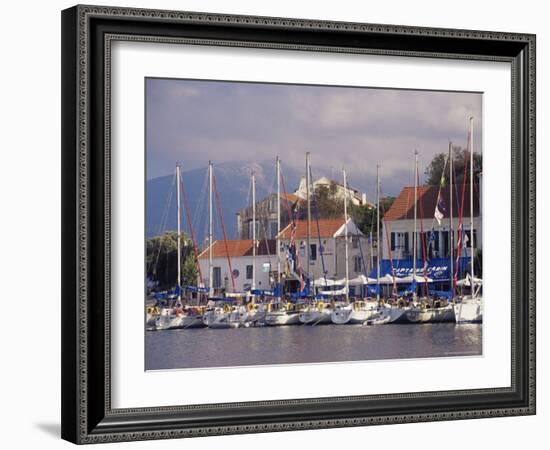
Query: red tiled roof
x=240, y=247
x=403, y=206
x=327, y=228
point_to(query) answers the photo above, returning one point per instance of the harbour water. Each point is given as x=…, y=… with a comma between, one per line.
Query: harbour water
x=205, y=347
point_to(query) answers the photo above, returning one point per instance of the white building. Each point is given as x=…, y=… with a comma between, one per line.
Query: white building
x=398, y=223
x=327, y=236
x=356, y=197
x=238, y=253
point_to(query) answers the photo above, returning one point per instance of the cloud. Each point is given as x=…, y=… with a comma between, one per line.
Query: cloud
x=193, y=121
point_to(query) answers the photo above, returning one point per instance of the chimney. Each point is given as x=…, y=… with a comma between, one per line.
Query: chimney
x=239, y=226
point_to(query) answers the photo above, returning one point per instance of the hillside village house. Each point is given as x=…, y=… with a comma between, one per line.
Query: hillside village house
x=356, y=197
x=266, y=209
x=240, y=255
x=330, y=235
x=398, y=223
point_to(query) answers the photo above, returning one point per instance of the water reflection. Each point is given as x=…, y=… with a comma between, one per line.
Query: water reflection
x=195, y=348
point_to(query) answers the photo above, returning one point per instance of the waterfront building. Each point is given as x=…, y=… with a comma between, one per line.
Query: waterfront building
x=239, y=255
x=398, y=224
x=327, y=248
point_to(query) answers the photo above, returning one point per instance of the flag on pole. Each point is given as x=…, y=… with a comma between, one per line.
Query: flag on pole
x=294, y=257
x=440, y=209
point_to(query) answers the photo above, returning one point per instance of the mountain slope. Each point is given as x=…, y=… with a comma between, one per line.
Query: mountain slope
x=233, y=186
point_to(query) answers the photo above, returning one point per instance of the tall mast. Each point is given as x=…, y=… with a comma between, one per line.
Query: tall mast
x=308, y=196
x=346, y=231
x=414, y=233
x=278, y=165
x=253, y=230
x=210, y=232
x=179, y=229
x=370, y=251
x=451, y=232
x=377, y=233
x=472, y=203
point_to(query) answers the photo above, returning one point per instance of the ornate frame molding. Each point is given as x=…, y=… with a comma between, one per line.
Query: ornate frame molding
x=84, y=421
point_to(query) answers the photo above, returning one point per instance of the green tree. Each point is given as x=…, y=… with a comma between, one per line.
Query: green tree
x=326, y=202
x=365, y=216
x=461, y=157
x=162, y=260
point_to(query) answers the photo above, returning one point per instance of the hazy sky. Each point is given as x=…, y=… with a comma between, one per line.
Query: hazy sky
x=356, y=128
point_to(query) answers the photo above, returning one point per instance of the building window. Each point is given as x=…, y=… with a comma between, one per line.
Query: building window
x=313, y=252
x=217, y=275
x=354, y=242
x=400, y=241
x=467, y=242
x=357, y=264
x=444, y=247
x=432, y=243
x=249, y=270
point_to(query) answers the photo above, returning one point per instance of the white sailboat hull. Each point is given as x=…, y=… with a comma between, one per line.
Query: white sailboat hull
x=163, y=321
x=390, y=314
x=212, y=317
x=341, y=316
x=279, y=318
x=351, y=316
x=469, y=311
x=240, y=319
x=431, y=315
x=315, y=317
x=180, y=322
x=221, y=321
x=257, y=316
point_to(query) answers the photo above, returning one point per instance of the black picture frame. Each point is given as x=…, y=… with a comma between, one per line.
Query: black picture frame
x=87, y=415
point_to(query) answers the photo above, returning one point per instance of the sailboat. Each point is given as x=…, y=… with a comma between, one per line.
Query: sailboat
x=358, y=311
x=389, y=310
x=426, y=309
x=280, y=313
x=341, y=313
x=277, y=312
x=469, y=309
x=316, y=313
x=243, y=316
x=174, y=315
x=218, y=311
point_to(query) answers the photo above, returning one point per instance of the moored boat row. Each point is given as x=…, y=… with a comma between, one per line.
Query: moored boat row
x=222, y=314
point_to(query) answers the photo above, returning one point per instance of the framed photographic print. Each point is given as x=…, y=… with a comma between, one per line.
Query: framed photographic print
x=281, y=224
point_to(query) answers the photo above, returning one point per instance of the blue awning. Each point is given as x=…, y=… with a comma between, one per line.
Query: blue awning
x=199, y=289
x=437, y=268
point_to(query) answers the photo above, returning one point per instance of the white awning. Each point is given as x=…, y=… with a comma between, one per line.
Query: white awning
x=467, y=281
x=335, y=292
